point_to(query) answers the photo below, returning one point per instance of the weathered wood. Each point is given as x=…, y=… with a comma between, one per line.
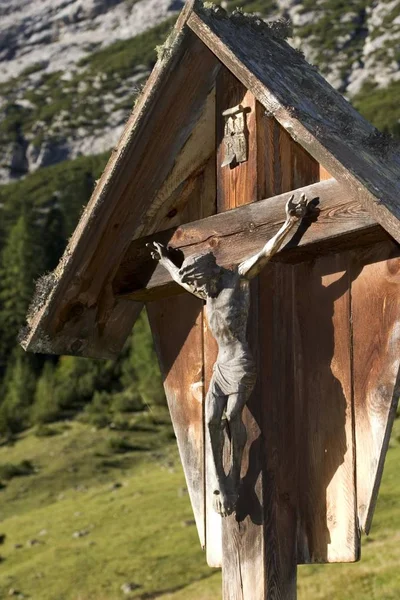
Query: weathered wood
x=243, y=533
x=233, y=187
x=237, y=234
x=274, y=141
x=275, y=329
x=323, y=408
x=187, y=193
x=259, y=541
x=278, y=439
x=323, y=174
x=177, y=328
x=314, y=114
x=242, y=539
x=178, y=323
x=121, y=206
x=376, y=333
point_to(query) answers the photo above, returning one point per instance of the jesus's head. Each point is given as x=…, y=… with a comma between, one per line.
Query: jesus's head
x=202, y=272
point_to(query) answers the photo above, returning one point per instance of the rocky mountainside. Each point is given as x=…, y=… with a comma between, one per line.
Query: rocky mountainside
x=70, y=69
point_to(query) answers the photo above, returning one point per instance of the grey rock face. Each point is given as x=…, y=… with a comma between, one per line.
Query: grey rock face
x=60, y=32
x=40, y=37
x=364, y=41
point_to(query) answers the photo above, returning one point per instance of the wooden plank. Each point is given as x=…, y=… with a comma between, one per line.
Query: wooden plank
x=237, y=234
x=376, y=334
x=119, y=209
x=177, y=327
x=186, y=194
x=243, y=538
x=278, y=383
x=305, y=169
x=290, y=166
x=324, y=412
x=260, y=540
x=274, y=141
x=178, y=323
x=242, y=534
x=323, y=174
x=233, y=187
x=314, y=114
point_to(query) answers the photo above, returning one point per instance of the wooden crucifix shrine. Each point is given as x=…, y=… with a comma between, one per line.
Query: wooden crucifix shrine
x=231, y=124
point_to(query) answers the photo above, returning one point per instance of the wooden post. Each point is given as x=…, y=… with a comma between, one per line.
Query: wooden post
x=259, y=541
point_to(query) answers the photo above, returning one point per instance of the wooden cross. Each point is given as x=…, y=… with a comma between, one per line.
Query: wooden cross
x=325, y=312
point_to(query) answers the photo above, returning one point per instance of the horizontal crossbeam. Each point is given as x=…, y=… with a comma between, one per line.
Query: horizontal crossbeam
x=336, y=222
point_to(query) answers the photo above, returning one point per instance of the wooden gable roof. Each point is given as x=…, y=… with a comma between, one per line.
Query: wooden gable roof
x=75, y=311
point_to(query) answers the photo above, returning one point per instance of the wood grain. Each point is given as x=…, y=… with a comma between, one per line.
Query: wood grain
x=242, y=532
x=237, y=234
x=376, y=334
x=160, y=127
x=259, y=541
x=314, y=114
x=323, y=174
x=177, y=328
x=233, y=184
x=275, y=329
x=178, y=323
x=276, y=372
x=324, y=412
x=186, y=194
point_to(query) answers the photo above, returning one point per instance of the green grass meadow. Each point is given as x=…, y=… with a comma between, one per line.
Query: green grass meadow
x=94, y=514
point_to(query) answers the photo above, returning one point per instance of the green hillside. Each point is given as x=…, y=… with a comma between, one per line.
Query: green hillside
x=93, y=514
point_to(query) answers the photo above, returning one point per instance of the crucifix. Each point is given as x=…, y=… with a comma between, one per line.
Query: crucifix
x=226, y=293
x=282, y=431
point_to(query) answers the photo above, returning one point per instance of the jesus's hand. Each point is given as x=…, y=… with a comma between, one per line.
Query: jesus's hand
x=158, y=251
x=296, y=210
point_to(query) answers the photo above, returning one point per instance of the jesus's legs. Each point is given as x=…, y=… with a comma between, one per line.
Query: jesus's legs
x=238, y=435
x=223, y=500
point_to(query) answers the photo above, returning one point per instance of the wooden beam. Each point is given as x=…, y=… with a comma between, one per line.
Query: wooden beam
x=236, y=234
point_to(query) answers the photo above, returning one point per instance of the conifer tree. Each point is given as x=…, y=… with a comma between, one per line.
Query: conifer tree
x=45, y=408
x=53, y=238
x=141, y=368
x=19, y=391
x=20, y=264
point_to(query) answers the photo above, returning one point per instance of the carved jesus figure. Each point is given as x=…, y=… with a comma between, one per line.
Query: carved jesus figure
x=227, y=296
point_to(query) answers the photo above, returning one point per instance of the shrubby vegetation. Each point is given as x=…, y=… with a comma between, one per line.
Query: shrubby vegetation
x=39, y=214
x=381, y=106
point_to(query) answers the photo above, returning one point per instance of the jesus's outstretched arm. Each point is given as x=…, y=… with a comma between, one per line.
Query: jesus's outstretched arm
x=295, y=211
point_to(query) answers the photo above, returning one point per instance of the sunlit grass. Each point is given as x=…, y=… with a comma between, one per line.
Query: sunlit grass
x=139, y=531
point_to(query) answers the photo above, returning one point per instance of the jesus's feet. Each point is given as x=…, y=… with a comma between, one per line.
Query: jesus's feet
x=224, y=501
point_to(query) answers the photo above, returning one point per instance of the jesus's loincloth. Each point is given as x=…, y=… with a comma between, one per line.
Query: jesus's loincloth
x=233, y=376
